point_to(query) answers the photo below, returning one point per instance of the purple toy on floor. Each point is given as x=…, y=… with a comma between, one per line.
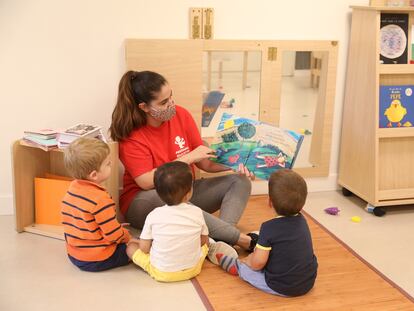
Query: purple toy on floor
x=332, y=210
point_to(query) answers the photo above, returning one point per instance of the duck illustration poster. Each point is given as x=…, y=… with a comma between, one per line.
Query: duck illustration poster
x=261, y=147
x=396, y=106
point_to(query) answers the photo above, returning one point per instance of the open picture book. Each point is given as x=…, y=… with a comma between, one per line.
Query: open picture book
x=261, y=147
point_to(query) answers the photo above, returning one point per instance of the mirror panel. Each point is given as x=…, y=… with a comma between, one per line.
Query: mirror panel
x=258, y=76
x=231, y=83
x=300, y=97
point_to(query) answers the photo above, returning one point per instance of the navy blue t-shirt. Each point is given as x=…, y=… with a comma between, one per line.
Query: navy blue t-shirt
x=292, y=266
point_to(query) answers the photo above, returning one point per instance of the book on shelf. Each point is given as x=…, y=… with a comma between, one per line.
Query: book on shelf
x=210, y=105
x=44, y=139
x=74, y=132
x=261, y=147
x=396, y=106
x=42, y=133
x=44, y=144
x=394, y=38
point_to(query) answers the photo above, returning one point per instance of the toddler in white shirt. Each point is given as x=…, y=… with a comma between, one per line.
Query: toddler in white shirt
x=174, y=240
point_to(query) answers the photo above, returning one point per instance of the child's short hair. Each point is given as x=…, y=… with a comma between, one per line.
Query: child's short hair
x=287, y=192
x=85, y=155
x=172, y=181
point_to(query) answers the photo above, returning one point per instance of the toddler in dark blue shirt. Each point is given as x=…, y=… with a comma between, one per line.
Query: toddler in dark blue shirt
x=283, y=262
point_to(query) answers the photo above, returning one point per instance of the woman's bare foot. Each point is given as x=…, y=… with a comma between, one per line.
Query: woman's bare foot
x=248, y=241
x=244, y=241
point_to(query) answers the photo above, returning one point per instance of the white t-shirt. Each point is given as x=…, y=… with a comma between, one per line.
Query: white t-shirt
x=175, y=231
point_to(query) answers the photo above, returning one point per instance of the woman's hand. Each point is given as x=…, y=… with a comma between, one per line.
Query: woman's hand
x=198, y=154
x=242, y=170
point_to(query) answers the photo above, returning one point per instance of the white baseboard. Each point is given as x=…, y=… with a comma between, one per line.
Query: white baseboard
x=6, y=204
x=314, y=185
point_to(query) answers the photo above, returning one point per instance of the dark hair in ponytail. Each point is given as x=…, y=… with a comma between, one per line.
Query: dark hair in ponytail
x=134, y=88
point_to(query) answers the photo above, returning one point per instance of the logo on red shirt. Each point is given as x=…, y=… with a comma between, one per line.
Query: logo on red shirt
x=180, y=142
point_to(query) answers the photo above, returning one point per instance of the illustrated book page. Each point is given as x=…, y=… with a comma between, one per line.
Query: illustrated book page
x=261, y=147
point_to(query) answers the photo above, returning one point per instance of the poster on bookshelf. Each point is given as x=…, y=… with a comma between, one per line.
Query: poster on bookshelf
x=396, y=106
x=393, y=36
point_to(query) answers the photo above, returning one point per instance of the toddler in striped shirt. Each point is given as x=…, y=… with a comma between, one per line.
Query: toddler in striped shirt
x=95, y=240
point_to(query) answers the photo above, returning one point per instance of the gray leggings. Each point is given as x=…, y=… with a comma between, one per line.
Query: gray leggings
x=229, y=194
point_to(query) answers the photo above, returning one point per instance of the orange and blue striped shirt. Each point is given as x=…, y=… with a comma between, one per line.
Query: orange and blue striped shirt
x=92, y=231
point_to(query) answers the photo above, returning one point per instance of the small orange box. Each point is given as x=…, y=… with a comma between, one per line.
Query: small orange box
x=49, y=193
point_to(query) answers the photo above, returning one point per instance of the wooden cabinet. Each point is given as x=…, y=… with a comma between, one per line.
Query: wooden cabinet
x=30, y=162
x=376, y=164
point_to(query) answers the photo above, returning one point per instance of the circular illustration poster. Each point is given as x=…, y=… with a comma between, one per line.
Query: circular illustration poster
x=393, y=41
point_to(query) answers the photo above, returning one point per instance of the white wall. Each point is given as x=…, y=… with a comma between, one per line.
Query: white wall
x=60, y=61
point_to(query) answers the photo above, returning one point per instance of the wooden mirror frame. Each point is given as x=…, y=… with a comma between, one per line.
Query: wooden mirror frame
x=180, y=62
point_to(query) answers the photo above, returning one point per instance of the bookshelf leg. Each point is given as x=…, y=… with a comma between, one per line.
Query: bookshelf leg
x=377, y=211
x=346, y=192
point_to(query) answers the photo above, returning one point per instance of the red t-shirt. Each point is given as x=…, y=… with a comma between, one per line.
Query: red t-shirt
x=149, y=147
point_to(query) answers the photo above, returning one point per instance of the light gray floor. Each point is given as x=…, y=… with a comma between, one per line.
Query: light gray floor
x=36, y=275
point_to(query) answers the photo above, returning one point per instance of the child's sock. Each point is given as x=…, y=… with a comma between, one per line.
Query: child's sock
x=220, y=248
x=228, y=263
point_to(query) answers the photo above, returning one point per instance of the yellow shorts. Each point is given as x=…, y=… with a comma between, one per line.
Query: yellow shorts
x=143, y=260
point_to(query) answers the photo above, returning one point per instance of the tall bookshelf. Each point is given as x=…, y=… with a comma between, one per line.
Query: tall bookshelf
x=376, y=164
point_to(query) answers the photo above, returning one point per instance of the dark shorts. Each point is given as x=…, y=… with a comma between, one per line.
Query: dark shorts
x=119, y=258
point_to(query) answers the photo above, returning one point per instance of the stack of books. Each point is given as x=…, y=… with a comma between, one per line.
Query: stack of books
x=64, y=138
x=44, y=139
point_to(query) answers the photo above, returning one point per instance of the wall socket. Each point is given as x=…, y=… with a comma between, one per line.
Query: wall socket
x=201, y=23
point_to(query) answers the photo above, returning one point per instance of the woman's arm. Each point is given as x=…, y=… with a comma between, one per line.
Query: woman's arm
x=146, y=181
x=201, y=153
x=211, y=167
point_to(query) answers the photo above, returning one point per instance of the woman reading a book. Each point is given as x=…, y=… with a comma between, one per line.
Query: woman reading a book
x=152, y=130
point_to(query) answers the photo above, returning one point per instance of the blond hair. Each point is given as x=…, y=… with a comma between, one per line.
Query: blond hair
x=85, y=155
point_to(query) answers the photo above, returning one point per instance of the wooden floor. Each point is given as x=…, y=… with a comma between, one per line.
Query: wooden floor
x=344, y=282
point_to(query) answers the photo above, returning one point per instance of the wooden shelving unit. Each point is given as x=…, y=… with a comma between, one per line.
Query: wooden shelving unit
x=399, y=69
x=395, y=132
x=376, y=164
x=30, y=162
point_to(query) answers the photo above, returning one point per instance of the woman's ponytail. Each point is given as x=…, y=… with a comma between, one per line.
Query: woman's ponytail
x=126, y=115
x=134, y=88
